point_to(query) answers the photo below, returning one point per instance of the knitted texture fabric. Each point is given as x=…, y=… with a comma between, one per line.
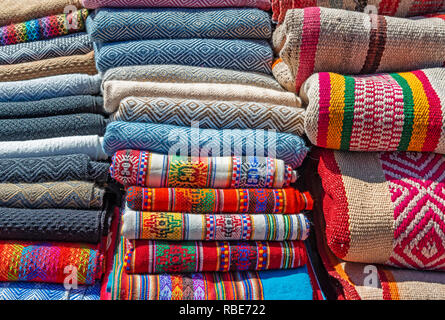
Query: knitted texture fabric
x=44, y=28
x=142, y=168
x=52, y=195
x=51, y=169
x=241, y=55
x=282, y=73
x=88, y=145
x=193, y=200
x=67, y=225
x=212, y=256
x=115, y=91
x=107, y=25
x=49, y=87
x=407, y=229
x=368, y=44
x=70, y=45
x=46, y=262
x=50, y=127
x=383, y=112
x=212, y=114
x=184, y=226
x=168, y=139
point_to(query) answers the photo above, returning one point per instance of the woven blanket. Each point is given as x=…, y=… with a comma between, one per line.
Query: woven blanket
x=398, y=8
x=49, y=87
x=212, y=256
x=184, y=226
x=362, y=44
x=52, y=195
x=51, y=169
x=168, y=139
x=67, y=225
x=46, y=262
x=187, y=74
x=212, y=114
x=115, y=91
x=70, y=45
x=282, y=73
x=385, y=208
x=192, y=200
x=383, y=112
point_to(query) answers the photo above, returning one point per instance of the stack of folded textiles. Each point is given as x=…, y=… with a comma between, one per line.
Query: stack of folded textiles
x=373, y=87
x=209, y=210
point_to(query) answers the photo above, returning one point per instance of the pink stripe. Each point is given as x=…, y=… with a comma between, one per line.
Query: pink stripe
x=323, y=111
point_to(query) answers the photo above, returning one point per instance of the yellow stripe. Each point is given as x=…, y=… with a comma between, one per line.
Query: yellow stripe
x=336, y=111
x=394, y=291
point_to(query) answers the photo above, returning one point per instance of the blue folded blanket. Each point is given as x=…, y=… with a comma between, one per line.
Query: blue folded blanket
x=107, y=25
x=243, y=55
x=169, y=139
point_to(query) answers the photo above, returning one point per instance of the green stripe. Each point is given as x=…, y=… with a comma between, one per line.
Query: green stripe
x=408, y=112
x=348, y=116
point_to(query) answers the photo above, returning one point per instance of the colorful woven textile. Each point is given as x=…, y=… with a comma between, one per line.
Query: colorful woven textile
x=46, y=262
x=385, y=208
x=212, y=114
x=184, y=226
x=191, y=200
x=168, y=139
x=67, y=194
x=362, y=44
x=142, y=168
x=107, y=25
x=384, y=112
x=207, y=256
x=242, y=55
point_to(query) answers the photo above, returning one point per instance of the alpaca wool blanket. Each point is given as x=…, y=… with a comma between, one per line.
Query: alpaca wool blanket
x=212, y=256
x=382, y=112
x=50, y=127
x=236, y=54
x=142, y=168
x=385, y=208
x=51, y=107
x=49, y=87
x=212, y=114
x=88, y=145
x=46, y=262
x=188, y=74
x=52, y=195
x=115, y=91
x=319, y=39
x=168, y=139
x=184, y=226
x=107, y=25
x=67, y=225
x=192, y=200
x=51, y=169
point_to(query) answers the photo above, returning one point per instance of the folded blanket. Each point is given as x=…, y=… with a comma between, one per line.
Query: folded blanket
x=57, y=126
x=142, y=168
x=83, y=226
x=115, y=91
x=84, y=63
x=44, y=28
x=191, y=200
x=383, y=112
x=212, y=256
x=51, y=107
x=52, y=195
x=399, y=8
x=212, y=114
x=50, y=169
x=70, y=45
x=47, y=262
x=385, y=208
x=184, y=226
x=88, y=145
x=168, y=139
x=319, y=39
x=49, y=87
